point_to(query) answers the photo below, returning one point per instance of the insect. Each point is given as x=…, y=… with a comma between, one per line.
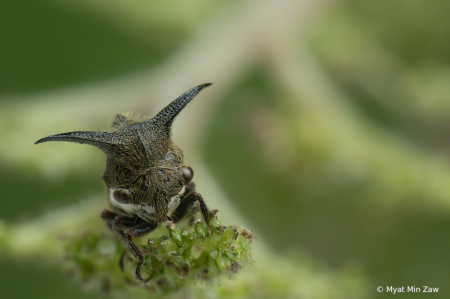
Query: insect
x=145, y=178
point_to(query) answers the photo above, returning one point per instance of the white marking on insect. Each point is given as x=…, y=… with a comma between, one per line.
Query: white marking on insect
x=144, y=212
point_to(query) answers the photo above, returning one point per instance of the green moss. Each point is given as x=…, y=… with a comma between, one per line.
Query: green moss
x=182, y=255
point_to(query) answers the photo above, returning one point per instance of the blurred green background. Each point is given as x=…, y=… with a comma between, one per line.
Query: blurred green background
x=328, y=130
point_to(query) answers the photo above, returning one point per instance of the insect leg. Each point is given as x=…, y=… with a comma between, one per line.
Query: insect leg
x=122, y=257
x=108, y=217
x=190, y=187
x=122, y=224
x=203, y=207
x=134, y=232
x=185, y=207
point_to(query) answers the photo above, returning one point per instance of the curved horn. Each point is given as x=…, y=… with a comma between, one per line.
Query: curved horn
x=155, y=132
x=167, y=115
x=102, y=140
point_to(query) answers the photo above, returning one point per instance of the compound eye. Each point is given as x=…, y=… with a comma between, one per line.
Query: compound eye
x=122, y=195
x=187, y=174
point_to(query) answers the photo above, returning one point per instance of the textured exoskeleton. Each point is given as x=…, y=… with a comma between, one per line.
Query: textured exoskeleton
x=146, y=180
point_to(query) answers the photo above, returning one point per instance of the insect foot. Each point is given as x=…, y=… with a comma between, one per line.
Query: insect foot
x=181, y=257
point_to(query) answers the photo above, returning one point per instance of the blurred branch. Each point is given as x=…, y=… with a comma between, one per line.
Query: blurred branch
x=394, y=163
x=39, y=237
x=359, y=59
